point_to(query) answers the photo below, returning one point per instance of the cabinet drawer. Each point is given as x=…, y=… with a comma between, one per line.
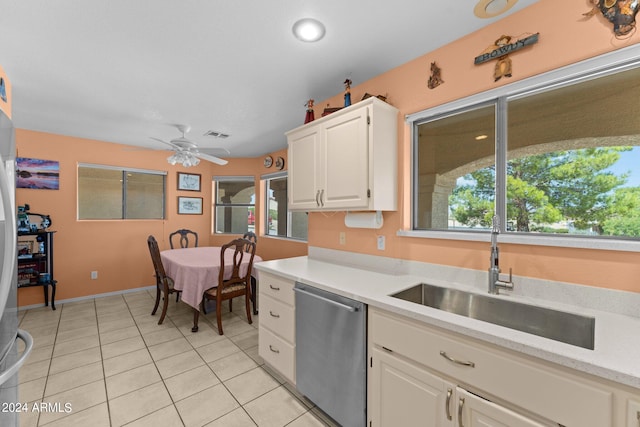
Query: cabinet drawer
x=278, y=318
x=276, y=287
x=277, y=353
x=538, y=388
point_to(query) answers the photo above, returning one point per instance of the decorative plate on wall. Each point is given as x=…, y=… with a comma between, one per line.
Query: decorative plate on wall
x=280, y=163
x=268, y=161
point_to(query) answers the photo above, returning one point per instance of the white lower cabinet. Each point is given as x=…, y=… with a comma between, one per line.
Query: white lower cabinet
x=633, y=413
x=276, y=333
x=420, y=375
x=474, y=411
x=405, y=394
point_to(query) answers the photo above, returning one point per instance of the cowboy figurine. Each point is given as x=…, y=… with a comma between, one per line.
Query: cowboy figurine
x=347, y=92
x=310, y=116
x=503, y=65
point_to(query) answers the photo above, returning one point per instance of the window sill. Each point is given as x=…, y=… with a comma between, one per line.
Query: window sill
x=575, y=242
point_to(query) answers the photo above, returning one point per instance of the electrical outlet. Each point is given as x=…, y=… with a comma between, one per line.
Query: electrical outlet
x=94, y=275
x=343, y=238
x=381, y=243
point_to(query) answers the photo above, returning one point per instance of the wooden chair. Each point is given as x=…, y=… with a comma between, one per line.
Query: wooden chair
x=164, y=284
x=235, y=286
x=251, y=236
x=184, y=238
x=184, y=243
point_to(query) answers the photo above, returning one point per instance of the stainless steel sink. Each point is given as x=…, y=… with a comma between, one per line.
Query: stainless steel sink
x=557, y=325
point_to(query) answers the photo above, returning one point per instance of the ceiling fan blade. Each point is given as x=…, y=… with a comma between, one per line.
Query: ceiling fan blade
x=174, y=146
x=212, y=159
x=213, y=150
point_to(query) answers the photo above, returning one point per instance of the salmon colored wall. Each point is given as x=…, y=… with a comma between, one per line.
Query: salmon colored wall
x=566, y=37
x=5, y=107
x=117, y=249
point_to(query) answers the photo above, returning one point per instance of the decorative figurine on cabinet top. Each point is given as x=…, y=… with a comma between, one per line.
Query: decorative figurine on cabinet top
x=347, y=92
x=621, y=13
x=309, y=117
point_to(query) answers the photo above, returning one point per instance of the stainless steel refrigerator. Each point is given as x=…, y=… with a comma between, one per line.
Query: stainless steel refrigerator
x=10, y=335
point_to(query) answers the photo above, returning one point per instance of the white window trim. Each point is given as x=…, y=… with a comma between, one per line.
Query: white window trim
x=608, y=63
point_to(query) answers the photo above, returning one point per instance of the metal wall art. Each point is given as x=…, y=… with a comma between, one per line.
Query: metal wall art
x=621, y=13
x=435, y=79
x=500, y=50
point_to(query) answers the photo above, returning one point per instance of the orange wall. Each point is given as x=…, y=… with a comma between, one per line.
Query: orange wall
x=117, y=249
x=566, y=37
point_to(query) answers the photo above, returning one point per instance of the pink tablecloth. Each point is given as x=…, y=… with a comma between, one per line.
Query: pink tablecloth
x=194, y=270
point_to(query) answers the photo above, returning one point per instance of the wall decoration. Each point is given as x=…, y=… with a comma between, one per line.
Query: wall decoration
x=189, y=181
x=347, y=92
x=621, y=13
x=368, y=95
x=279, y=163
x=37, y=174
x=330, y=110
x=190, y=205
x=500, y=50
x=309, y=117
x=435, y=79
x=268, y=161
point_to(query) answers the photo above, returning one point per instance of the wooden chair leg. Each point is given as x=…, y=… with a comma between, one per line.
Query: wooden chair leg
x=196, y=315
x=248, y=306
x=219, y=316
x=155, y=307
x=253, y=295
x=164, y=308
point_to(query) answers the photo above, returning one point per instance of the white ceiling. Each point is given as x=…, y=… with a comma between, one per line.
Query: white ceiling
x=126, y=70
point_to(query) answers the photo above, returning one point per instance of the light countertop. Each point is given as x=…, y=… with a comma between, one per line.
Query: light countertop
x=616, y=356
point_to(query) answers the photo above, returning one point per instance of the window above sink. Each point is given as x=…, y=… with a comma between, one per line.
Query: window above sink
x=557, y=155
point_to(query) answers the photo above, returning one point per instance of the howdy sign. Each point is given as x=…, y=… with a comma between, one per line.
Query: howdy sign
x=506, y=49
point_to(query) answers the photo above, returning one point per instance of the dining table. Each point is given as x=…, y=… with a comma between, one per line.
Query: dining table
x=194, y=270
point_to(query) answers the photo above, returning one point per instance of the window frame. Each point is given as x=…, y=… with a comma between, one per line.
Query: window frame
x=123, y=170
x=265, y=179
x=227, y=178
x=603, y=65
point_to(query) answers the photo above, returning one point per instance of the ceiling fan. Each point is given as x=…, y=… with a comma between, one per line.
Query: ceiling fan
x=187, y=152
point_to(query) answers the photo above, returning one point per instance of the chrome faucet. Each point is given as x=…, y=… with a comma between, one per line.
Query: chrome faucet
x=495, y=284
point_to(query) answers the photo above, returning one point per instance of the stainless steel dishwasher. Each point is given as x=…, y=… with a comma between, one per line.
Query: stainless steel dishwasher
x=331, y=353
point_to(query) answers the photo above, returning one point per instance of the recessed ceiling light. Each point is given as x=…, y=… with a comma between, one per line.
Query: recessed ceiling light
x=491, y=8
x=308, y=30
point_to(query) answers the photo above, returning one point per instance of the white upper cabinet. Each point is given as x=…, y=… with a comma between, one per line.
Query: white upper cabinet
x=346, y=160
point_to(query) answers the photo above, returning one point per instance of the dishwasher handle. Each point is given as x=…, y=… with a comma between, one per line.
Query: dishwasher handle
x=336, y=303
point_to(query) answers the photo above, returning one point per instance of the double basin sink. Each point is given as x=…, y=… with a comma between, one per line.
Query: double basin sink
x=557, y=325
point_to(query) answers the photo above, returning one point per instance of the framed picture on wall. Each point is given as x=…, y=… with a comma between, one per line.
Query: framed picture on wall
x=188, y=181
x=190, y=205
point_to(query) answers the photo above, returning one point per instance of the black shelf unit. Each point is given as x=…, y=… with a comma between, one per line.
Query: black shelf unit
x=35, y=262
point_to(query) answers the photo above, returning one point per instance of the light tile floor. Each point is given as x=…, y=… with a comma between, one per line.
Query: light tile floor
x=107, y=362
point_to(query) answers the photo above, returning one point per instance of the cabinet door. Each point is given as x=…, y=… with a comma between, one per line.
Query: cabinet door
x=478, y=412
x=345, y=169
x=304, y=191
x=633, y=413
x=402, y=394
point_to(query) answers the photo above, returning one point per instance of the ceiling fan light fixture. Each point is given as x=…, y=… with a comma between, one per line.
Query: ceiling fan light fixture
x=186, y=158
x=308, y=30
